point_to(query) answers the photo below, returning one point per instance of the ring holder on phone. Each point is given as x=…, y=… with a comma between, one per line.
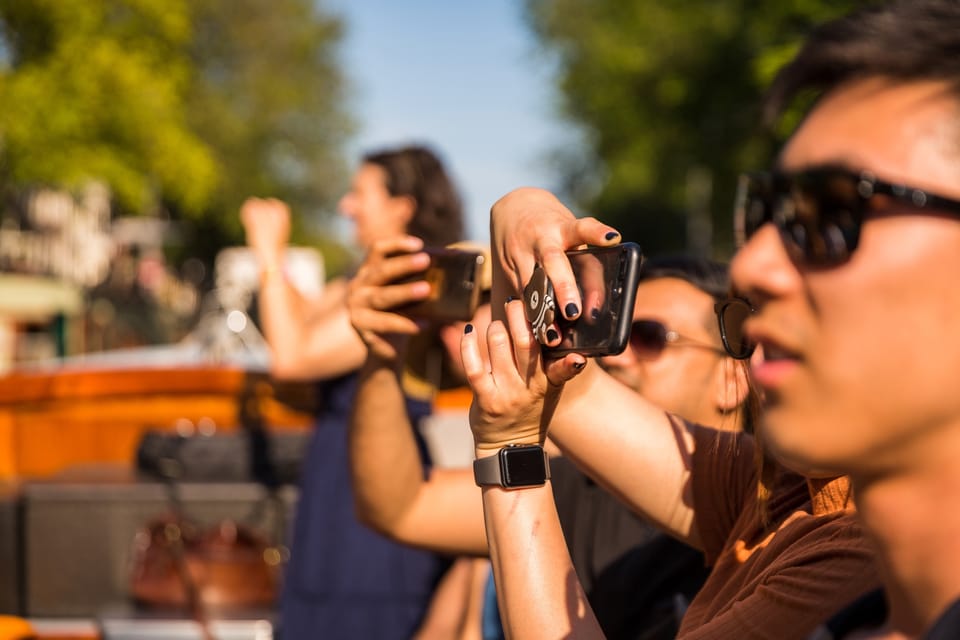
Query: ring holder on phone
x=607, y=281
x=539, y=303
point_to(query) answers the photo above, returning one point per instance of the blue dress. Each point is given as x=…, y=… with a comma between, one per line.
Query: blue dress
x=343, y=580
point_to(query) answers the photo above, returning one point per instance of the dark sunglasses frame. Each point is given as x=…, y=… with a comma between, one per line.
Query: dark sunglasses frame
x=820, y=212
x=742, y=349
x=665, y=338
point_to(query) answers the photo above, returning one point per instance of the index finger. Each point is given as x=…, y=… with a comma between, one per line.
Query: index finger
x=395, y=244
x=585, y=231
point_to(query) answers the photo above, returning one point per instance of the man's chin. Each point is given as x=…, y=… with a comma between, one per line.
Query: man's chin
x=796, y=454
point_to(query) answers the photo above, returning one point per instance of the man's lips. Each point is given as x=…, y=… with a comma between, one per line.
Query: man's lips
x=775, y=361
x=773, y=352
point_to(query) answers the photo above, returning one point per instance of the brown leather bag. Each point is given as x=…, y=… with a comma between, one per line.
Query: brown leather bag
x=224, y=567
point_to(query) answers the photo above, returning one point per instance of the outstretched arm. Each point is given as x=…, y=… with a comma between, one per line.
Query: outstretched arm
x=442, y=511
x=309, y=339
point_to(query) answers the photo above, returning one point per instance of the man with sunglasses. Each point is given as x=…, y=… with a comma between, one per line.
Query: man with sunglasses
x=638, y=578
x=851, y=260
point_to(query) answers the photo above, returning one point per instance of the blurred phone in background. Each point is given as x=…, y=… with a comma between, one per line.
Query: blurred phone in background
x=455, y=286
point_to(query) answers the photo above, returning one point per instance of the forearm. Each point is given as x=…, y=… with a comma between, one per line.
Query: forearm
x=283, y=318
x=391, y=495
x=385, y=463
x=449, y=604
x=634, y=449
x=538, y=592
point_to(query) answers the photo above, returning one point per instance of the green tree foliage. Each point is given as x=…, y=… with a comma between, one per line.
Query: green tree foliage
x=183, y=107
x=668, y=95
x=95, y=90
x=267, y=98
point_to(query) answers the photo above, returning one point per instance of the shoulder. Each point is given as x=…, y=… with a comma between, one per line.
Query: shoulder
x=825, y=548
x=947, y=625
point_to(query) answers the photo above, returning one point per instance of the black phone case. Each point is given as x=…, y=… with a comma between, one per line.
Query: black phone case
x=592, y=335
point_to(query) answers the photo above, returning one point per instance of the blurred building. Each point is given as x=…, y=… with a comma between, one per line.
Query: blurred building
x=74, y=280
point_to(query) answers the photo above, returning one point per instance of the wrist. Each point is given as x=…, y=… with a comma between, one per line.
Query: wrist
x=271, y=271
x=485, y=449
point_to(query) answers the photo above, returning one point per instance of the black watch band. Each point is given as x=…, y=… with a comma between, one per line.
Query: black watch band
x=513, y=467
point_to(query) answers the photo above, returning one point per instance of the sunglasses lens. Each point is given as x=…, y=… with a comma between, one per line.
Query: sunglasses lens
x=825, y=225
x=818, y=213
x=648, y=337
x=753, y=205
x=732, y=314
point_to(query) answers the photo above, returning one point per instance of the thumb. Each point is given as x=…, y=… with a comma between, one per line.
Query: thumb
x=562, y=370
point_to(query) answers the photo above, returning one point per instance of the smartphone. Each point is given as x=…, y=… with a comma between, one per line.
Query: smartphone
x=454, y=277
x=607, y=278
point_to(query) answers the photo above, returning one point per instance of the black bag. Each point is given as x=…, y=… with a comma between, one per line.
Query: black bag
x=242, y=456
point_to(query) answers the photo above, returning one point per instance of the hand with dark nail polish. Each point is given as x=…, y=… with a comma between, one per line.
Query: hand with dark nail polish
x=468, y=329
x=571, y=310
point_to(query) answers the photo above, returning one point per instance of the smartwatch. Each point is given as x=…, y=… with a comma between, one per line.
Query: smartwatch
x=513, y=467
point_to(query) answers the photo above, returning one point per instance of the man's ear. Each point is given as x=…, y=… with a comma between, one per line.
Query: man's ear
x=732, y=386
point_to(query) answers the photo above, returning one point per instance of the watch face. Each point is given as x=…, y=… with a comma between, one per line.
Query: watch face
x=523, y=466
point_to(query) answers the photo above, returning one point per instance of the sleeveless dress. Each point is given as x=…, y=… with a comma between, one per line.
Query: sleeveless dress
x=344, y=580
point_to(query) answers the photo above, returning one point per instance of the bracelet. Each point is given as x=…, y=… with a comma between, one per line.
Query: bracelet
x=268, y=272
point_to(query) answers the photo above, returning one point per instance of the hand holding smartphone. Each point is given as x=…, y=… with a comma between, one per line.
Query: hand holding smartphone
x=607, y=278
x=455, y=286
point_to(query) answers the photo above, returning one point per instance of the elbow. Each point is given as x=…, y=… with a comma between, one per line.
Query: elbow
x=287, y=367
x=376, y=522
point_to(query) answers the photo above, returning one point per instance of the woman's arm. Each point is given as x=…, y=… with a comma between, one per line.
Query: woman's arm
x=631, y=447
x=442, y=512
x=308, y=339
x=537, y=589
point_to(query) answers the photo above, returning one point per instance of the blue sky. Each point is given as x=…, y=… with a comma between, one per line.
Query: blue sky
x=465, y=77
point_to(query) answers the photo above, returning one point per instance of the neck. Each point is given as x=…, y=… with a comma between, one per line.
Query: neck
x=910, y=514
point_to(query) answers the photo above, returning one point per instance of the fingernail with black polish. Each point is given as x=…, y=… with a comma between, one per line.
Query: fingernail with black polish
x=579, y=365
x=611, y=235
x=510, y=298
x=552, y=335
x=468, y=329
x=595, y=314
x=571, y=309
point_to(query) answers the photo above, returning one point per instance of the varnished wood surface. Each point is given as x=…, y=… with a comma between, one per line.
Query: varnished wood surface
x=51, y=420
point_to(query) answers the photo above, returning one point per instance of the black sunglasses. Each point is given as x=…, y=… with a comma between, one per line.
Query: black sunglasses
x=649, y=338
x=819, y=212
x=731, y=314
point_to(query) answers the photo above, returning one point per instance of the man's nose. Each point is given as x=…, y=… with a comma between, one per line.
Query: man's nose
x=762, y=268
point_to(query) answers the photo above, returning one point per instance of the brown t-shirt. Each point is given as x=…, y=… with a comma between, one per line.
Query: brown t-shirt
x=782, y=581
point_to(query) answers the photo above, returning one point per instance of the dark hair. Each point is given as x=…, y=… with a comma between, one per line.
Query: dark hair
x=906, y=40
x=417, y=172
x=713, y=278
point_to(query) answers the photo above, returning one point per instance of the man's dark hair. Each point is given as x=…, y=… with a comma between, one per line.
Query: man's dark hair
x=711, y=277
x=905, y=40
x=417, y=172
